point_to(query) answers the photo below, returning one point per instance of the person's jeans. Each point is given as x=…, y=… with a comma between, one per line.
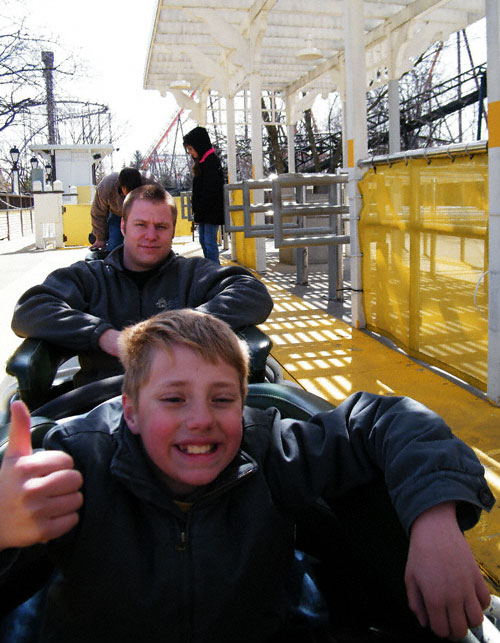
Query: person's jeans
x=207, y=233
x=115, y=237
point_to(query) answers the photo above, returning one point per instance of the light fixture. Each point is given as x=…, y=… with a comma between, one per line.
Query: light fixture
x=14, y=155
x=180, y=83
x=309, y=52
x=34, y=163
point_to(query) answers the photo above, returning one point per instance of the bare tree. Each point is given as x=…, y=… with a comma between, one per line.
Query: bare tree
x=21, y=78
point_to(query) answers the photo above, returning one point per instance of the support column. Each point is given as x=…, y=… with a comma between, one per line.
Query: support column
x=231, y=140
x=493, y=78
x=394, y=116
x=231, y=158
x=357, y=140
x=291, y=147
x=290, y=135
x=257, y=161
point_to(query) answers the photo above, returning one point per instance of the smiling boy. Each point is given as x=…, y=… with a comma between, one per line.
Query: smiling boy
x=187, y=414
x=170, y=516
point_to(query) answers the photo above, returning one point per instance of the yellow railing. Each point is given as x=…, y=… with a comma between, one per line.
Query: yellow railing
x=424, y=238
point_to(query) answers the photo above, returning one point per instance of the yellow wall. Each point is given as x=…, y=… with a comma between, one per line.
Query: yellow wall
x=245, y=248
x=424, y=238
x=76, y=224
x=83, y=192
x=183, y=227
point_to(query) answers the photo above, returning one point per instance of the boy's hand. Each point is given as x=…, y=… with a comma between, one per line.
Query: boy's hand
x=444, y=584
x=39, y=492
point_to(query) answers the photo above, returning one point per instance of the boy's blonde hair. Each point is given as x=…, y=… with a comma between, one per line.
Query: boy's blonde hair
x=212, y=338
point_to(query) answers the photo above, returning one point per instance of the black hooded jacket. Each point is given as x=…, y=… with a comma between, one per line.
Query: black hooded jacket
x=208, y=195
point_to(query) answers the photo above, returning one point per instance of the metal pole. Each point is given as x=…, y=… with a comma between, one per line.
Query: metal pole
x=48, y=63
x=357, y=140
x=15, y=179
x=257, y=160
x=231, y=159
x=493, y=51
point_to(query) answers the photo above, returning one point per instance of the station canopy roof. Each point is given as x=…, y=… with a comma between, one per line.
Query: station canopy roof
x=294, y=45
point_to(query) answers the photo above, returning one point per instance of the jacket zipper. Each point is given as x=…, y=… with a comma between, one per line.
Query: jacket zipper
x=181, y=544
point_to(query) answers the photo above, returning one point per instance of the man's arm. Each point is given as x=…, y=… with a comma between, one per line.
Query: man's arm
x=230, y=293
x=58, y=310
x=108, y=342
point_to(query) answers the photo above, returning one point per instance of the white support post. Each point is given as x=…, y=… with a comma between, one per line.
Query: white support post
x=290, y=135
x=394, y=116
x=257, y=161
x=493, y=62
x=357, y=140
x=231, y=140
x=291, y=147
x=231, y=158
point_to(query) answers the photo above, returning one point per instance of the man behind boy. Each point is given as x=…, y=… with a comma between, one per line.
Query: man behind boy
x=84, y=307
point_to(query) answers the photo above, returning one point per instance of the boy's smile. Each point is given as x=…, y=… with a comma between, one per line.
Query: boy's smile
x=188, y=417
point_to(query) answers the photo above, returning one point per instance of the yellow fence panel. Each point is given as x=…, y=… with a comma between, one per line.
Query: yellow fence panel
x=424, y=238
x=245, y=247
x=76, y=224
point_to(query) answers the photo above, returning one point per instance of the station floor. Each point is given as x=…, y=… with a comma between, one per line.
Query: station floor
x=318, y=349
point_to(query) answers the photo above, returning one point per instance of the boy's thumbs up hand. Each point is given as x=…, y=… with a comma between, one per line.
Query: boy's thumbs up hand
x=39, y=492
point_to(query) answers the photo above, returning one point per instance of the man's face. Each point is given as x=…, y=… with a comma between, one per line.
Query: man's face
x=189, y=417
x=147, y=235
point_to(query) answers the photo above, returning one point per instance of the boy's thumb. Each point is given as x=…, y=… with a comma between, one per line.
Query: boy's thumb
x=19, y=433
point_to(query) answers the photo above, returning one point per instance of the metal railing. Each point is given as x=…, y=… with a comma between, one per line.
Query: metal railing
x=16, y=216
x=287, y=202
x=451, y=151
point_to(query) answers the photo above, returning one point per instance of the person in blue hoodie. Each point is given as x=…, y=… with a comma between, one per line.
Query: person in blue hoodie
x=207, y=194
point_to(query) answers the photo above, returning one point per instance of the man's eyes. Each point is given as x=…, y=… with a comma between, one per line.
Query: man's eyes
x=140, y=224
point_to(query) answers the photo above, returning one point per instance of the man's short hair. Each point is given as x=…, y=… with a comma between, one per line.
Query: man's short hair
x=129, y=178
x=152, y=192
x=211, y=338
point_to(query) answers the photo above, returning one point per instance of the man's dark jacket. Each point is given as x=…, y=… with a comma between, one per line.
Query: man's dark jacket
x=75, y=305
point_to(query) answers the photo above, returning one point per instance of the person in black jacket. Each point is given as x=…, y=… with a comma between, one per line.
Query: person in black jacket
x=208, y=196
x=171, y=516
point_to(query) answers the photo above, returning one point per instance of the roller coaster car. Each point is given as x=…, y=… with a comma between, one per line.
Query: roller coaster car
x=43, y=370
x=359, y=570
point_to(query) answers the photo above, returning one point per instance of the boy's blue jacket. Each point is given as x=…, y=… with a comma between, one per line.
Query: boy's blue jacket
x=140, y=568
